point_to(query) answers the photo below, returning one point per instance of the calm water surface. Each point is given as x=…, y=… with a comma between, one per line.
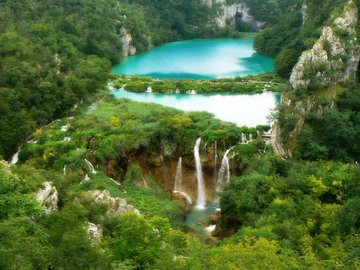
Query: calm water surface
x=242, y=109
x=198, y=59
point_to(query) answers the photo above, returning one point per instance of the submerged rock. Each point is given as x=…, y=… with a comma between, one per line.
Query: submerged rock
x=48, y=196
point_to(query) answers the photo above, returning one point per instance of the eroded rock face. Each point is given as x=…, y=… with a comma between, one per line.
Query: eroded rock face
x=48, y=196
x=233, y=11
x=116, y=206
x=126, y=39
x=335, y=55
x=94, y=231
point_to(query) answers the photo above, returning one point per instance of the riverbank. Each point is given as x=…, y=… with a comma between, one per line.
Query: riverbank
x=249, y=84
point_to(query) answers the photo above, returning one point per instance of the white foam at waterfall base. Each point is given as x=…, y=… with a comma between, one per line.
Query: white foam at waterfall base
x=201, y=198
x=210, y=228
x=184, y=195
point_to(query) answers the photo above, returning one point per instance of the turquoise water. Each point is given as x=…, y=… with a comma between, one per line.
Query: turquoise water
x=198, y=59
x=243, y=109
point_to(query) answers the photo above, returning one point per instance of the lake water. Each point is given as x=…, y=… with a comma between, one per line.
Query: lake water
x=198, y=59
x=243, y=109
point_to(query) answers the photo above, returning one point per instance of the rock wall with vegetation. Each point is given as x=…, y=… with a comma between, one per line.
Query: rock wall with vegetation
x=335, y=55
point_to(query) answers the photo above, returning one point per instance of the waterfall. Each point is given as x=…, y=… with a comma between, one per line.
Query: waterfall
x=64, y=169
x=149, y=89
x=184, y=195
x=224, y=173
x=178, y=176
x=201, y=199
x=15, y=157
x=243, y=138
x=178, y=183
x=91, y=167
x=215, y=153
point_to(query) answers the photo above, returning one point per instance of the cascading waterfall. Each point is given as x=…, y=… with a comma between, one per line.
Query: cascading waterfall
x=178, y=176
x=215, y=154
x=201, y=198
x=15, y=157
x=178, y=183
x=64, y=169
x=224, y=173
x=91, y=167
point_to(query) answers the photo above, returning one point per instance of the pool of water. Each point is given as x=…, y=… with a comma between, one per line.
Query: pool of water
x=243, y=109
x=198, y=59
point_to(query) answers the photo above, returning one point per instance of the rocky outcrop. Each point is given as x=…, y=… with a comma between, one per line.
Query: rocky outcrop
x=335, y=55
x=127, y=43
x=94, y=231
x=116, y=206
x=48, y=196
x=231, y=12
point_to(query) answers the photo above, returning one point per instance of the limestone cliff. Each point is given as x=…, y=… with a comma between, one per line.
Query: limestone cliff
x=115, y=206
x=231, y=12
x=127, y=43
x=335, y=55
x=48, y=196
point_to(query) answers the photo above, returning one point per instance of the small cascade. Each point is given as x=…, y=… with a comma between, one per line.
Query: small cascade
x=91, y=167
x=224, y=173
x=15, y=157
x=184, y=195
x=178, y=176
x=64, y=169
x=149, y=89
x=250, y=137
x=215, y=153
x=201, y=198
x=178, y=183
x=243, y=138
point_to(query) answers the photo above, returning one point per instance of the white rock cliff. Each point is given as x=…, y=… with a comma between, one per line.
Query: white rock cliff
x=335, y=55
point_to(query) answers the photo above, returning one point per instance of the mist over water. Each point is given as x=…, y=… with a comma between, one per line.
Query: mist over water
x=243, y=109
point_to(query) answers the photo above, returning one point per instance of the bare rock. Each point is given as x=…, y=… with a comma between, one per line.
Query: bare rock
x=48, y=196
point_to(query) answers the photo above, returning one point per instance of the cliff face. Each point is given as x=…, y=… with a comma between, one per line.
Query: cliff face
x=162, y=167
x=335, y=55
x=231, y=12
x=127, y=43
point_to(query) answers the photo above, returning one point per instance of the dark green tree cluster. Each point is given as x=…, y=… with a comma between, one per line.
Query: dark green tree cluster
x=333, y=134
x=307, y=208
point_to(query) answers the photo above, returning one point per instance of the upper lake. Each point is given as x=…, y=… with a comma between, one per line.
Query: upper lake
x=198, y=59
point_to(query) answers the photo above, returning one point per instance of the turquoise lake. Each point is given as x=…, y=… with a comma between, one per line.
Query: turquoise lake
x=198, y=59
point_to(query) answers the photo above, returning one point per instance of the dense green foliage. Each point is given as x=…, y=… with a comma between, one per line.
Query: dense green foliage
x=54, y=54
x=248, y=84
x=307, y=208
x=331, y=134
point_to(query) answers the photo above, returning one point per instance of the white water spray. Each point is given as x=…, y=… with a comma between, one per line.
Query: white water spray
x=91, y=167
x=201, y=199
